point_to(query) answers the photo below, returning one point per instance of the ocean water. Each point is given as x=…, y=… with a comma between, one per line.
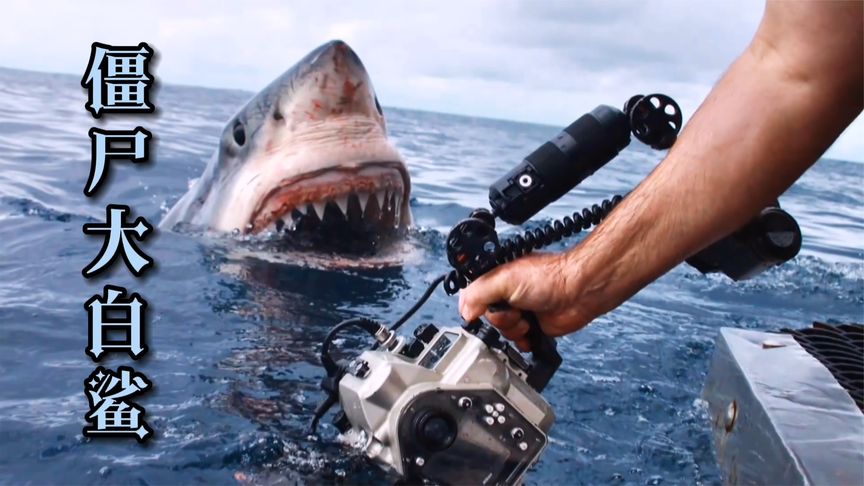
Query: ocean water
x=233, y=335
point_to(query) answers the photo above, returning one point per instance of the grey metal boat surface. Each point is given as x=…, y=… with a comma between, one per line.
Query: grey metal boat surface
x=780, y=416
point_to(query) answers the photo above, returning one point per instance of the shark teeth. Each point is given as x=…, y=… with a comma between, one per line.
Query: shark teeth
x=342, y=202
x=387, y=209
x=319, y=206
x=363, y=197
x=388, y=201
x=398, y=209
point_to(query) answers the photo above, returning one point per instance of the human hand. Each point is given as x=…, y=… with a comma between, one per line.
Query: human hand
x=544, y=283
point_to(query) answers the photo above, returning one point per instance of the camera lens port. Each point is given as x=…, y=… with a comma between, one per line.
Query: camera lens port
x=436, y=430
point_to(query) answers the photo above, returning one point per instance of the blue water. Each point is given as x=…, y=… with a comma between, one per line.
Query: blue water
x=233, y=338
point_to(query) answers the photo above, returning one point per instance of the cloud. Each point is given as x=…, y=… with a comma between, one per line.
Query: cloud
x=545, y=62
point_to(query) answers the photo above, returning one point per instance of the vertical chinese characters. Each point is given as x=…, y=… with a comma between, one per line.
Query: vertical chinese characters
x=114, y=145
x=112, y=313
x=117, y=243
x=110, y=413
x=118, y=81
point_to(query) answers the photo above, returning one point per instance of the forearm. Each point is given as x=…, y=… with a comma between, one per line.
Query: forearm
x=761, y=127
x=777, y=109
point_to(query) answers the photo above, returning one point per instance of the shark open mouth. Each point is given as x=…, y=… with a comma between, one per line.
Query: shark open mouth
x=351, y=210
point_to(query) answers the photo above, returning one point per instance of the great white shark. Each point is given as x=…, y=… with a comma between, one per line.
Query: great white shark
x=306, y=160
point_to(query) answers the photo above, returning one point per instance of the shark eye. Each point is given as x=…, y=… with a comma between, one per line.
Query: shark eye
x=239, y=133
x=277, y=115
x=378, y=107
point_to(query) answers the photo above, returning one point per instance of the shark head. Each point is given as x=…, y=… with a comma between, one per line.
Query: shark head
x=308, y=159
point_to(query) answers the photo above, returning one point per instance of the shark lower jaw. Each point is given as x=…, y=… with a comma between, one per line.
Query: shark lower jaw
x=346, y=210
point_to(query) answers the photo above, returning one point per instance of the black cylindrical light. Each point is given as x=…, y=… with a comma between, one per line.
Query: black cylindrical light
x=560, y=164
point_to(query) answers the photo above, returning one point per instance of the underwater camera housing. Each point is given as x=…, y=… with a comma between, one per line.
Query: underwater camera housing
x=450, y=406
x=456, y=405
x=460, y=405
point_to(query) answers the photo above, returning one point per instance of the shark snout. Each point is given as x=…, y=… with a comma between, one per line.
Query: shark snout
x=336, y=83
x=342, y=54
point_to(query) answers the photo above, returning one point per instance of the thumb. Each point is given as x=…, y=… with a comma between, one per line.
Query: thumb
x=495, y=286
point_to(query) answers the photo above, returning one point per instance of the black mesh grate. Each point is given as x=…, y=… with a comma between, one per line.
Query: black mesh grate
x=841, y=349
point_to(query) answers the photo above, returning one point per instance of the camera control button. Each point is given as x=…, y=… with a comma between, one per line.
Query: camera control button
x=426, y=332
x=501, y=419
x=488, y=408
x=517, y=433
x=523, y=446
x=360, y=369
x=499, y=407
x=465, y=402
x=489, y=420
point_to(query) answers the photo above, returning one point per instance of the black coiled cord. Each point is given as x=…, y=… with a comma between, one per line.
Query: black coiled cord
x=537, y=238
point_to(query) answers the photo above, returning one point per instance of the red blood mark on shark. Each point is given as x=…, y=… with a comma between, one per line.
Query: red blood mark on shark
x=316, y=106
x=349, y=89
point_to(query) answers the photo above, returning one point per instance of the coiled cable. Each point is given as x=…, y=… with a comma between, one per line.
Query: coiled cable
x=537, y=238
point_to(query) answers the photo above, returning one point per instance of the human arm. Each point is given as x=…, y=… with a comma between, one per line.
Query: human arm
x=776, y=110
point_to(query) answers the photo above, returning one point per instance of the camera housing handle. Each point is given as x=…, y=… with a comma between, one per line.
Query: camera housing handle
x=545, y=359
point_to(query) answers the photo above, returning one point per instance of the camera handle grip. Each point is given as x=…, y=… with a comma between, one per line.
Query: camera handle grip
x=544, y=354
x=545, y=359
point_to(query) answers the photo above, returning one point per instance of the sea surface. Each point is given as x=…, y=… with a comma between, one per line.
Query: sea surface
x=233, y=336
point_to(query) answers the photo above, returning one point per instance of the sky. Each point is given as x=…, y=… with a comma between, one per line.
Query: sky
x=545, y=62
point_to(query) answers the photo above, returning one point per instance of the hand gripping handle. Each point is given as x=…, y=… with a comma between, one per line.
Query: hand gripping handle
x=545, y=359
